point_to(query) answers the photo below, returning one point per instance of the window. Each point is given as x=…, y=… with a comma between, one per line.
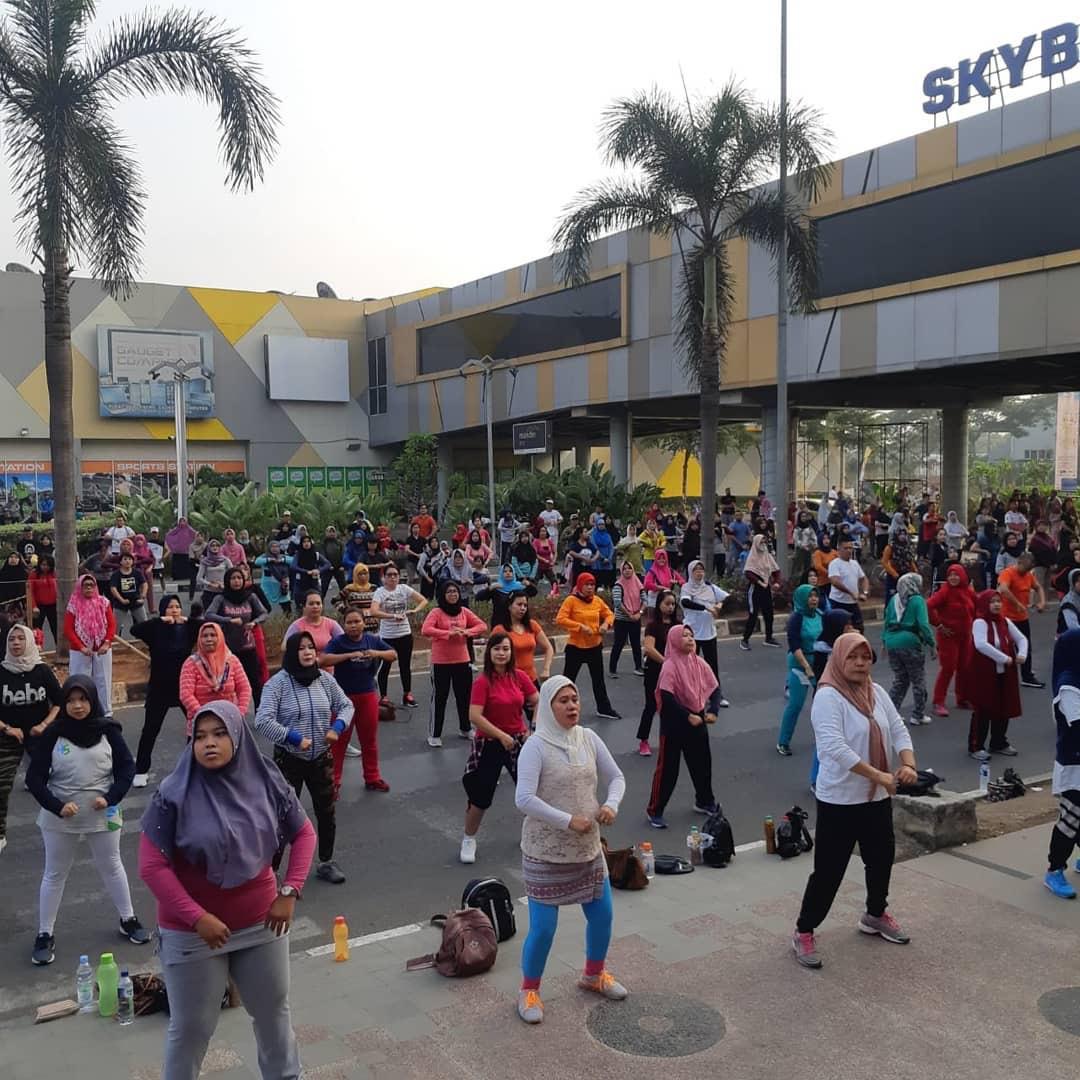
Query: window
x=567, y=319
x=1021, y=212
x=1037, y=455
x=376, y=374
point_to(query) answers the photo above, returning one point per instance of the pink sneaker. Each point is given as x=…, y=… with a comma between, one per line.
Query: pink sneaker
x=805, y=950
x=940, y=710
x=644, y=749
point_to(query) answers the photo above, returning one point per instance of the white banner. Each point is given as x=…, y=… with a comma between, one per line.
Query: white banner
x=1068, y=441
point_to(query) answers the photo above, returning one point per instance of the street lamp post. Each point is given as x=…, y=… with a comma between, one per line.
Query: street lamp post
x=486, y=367
x=181, y=375
x=783, y=457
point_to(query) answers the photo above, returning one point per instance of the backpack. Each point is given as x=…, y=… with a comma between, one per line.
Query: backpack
x=625, y=869
x=468, y=945
x=721, y=846
x=792, y=835
x=493, y=898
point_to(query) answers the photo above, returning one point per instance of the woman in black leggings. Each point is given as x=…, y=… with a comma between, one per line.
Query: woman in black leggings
x=656, y=632
x=390, y=605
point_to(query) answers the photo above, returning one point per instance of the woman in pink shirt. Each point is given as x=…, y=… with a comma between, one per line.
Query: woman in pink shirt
x=209, y=839
x=212, y=673
x=321, y=627
x=450, y=626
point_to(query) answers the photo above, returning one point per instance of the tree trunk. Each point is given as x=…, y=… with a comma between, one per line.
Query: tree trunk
x=685, y=470
x=709, y=385
x=56, y=282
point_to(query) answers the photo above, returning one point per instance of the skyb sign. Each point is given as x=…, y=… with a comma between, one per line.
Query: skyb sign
x=945, y=87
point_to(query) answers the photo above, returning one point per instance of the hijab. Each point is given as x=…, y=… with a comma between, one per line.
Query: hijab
x=833, y=623
x=234, y=596
x=960, y=593
x=307, y=558
x=549, y=730
x=141, y=549
x=812, y=621
x=997, y=627
x=230, y=821
x=13, y=573
x=30, y=658
x=509, y=586
x=583, y=579
x=90, y=614
x=83, y=733
x=523, y=551
x=701, y=591
x=631, y=588
x=685, y=675
x=760, y=561
x=290, y=662
x=444, y=604
x=462, y=574
x=212, y=556
x=216, y=665
x=179, y=537
x=1066, y=662
x=1070, y=599
x=907, y=586
x=660, y=570
x=233, y=551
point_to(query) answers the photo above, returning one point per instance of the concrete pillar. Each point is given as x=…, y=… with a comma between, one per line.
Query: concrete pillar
x=620, y=450
x=768, y=456
x=954, y=460
x=582, y=452
x=444, y=458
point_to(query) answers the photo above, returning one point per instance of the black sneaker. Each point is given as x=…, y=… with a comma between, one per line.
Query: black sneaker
x=330, y=872
x=1033, y=683
x=134, y=931
x=771, y=642
x=612, y=674
x=608, y=714
x=44, y=950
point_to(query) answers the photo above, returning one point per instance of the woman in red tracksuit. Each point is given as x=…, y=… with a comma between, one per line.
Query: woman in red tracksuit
x=952, y=611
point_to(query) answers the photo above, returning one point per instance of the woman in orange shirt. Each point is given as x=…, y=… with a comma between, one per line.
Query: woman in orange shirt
x=526, y=634
x=823, y=556
x=587, y=618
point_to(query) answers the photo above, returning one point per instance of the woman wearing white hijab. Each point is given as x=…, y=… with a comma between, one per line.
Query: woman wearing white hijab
x=763, y=579
x=562, y=861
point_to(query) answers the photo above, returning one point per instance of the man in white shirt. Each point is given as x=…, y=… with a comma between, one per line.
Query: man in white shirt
x=552, y=519
x=117, y=533
x=849, y=584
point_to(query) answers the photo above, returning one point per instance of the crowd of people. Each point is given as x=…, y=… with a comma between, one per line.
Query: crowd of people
x=219, y=822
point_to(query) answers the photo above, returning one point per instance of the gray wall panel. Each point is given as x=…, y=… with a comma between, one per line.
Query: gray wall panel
x=618, y=248
x=659, y=297
x=977, y=319
x=522, y=399
x=822, y=336
x=1064, y=110
x=797, y=346
x=1062, y=309
x=896, y=162
x=855, y=172
x=761, y=282
x=661, y=361
x=1022, y=318
x=858, y=337
x=896, y=332
x=618, y=374
x=639, y=301
x=1025, y=122
x=978, y=136
x=935, y=325
x=571, y=382
x=638, y=369
x=452, y=399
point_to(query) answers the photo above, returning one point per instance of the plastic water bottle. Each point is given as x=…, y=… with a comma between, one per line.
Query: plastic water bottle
x=125, y=999
x=108, y=976
x=984, y=776
x=341, y=940
x=693, y=843
x=84, y=985
x=114, y=819
x=648, y=859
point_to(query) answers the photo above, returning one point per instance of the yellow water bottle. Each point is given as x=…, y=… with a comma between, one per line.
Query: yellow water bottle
x=341, y=940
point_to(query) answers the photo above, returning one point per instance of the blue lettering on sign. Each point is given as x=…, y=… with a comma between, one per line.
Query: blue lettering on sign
x=945, y=86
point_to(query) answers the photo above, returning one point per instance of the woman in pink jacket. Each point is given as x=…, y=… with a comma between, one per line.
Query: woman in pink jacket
x=450, y=626
x=212, y=673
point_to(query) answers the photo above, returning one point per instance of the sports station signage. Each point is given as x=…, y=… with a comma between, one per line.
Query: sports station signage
x=1057, y=53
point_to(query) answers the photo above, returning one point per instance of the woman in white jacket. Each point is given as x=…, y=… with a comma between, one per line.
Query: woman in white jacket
x=859, y=734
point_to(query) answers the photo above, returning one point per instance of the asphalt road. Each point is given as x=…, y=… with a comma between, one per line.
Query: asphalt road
x=400, y=849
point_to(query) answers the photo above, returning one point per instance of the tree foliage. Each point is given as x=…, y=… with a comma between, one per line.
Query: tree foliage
x=415, y=472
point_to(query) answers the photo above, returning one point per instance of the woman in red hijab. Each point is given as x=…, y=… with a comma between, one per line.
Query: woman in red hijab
x=997, y=650
x=952, y=611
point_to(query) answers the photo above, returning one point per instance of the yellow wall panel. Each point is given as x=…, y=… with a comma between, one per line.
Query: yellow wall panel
x=435, y=422
x=935, y=151
x=659, y=246
x=473, y=389
x=306, y=456
x=545, y=386
x=735, y=361
x=598, y=376
x=326, y=318
x=403, y=348
x=762, y=349
x=233, y=312
x=738, y=254
x=197, y=430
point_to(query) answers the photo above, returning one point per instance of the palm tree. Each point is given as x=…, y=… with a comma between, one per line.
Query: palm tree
x=697, y=174
x=77, y=183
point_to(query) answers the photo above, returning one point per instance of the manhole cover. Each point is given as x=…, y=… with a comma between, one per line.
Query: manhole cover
x=656, y=1025
x=1062, y=1008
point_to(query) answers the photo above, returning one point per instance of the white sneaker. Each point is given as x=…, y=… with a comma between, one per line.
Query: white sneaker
x=3, y=844
x=141, y=780
x=921, y=721
x=352, y=750
x=434, y=741
x=468, y=849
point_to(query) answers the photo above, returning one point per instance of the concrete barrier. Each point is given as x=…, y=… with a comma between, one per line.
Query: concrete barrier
x=928, y=824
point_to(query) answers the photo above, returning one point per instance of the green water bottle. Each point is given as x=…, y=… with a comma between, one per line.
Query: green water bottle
x=114, y=818
x=108, y=980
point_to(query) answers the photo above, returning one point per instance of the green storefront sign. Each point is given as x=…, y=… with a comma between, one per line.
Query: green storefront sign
x=362, y=479
x=335, y=479
x=316, y=478
x=276, y=479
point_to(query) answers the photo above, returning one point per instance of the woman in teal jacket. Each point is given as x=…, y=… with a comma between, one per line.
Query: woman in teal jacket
x=803, y=629
x=906, y=637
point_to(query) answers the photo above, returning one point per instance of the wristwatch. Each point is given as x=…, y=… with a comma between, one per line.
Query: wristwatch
x=288, y=890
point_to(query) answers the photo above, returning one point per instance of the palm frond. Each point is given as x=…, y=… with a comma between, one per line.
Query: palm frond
x=809, y=146
x=31, y=28
x=192, y=53
x=69, y=24
x=601, y=209
x=691, y=310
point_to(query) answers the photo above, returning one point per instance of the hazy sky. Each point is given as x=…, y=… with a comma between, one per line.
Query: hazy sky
x=428, y=143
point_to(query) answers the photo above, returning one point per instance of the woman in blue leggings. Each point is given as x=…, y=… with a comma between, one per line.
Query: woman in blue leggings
x=562, y=862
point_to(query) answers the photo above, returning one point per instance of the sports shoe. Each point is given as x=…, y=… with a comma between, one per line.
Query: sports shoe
x=744, y=645
x=384, y=700
x=710, y=809
x=884, y=926
x=772, y=643
x=1056, y=883
x=657, y=821
x=639, y=671
x=330, y=872
x=605, y=985
x=464, y=734
x=468, y=850
x=1035, y=684
x=1008, y=750
x=920, y=721
x=724, y=703
x=530, y=1007
x=612, y=674
x=409, y=701
x=805, y=949
x=44, y=950
x=940, y=710
x=3, y=839
x=376, y=785
x=134, y=931
x=783, y=749
x=979, y=755
x=434, y=741
x=644, y=749
x=352, y=750
x=141, y=780
x=608, y=714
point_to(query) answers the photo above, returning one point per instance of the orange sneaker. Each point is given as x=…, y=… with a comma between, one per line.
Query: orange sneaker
x=530, y=1007
x=605, y=985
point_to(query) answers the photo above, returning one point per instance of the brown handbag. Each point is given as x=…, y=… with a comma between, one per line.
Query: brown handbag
x=624, y=868
x=469, y=945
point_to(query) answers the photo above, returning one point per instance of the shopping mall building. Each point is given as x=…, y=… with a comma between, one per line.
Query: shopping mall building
x=950, y=276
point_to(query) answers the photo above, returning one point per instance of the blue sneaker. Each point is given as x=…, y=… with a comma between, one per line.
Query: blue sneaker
x=1056, y=883
x=1078, y=866
x=657, y=822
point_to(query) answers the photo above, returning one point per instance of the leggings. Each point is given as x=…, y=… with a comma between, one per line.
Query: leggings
x=365, y=723
x=318, y=774
x=652, y=677
x=157, y=707
x=443, y=678
x=951, y=651
x=261, y=974
x=544, y=918
x=60, y=850
x=909, y=670
x=798, y=689
x=759, y=601
x=249, y=661
x=626, y=630
x=11, y=754
x=47, y=614
x=1063, y=838
x=593, y=659
x=403, y=647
